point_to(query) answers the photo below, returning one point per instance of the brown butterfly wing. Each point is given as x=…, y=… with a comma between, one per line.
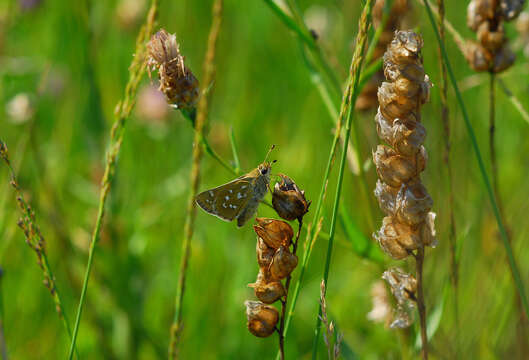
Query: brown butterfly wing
x=226, y=201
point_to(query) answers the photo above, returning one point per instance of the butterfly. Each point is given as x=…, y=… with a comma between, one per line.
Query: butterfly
x=239, y=198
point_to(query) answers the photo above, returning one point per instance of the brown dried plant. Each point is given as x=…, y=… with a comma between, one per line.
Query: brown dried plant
x=276, y=256
x=409, y=225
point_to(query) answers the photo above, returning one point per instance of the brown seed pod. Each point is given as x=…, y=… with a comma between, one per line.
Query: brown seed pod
x=275, y=233
x=265, y=254
x=403, y=285
x=487, y=18
x=262, y=319
x=267, y=291
x=288, y=200
x=283, y=264
x=413, y=204
x=177, y=82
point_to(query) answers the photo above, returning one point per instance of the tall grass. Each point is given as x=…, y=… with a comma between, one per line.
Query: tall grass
x=35, y=240
x=481, y=165
x=349, y=99
x=123, y=110
x=200, y=124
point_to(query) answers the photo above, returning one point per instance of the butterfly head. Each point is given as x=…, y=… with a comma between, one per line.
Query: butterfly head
x=265, y=168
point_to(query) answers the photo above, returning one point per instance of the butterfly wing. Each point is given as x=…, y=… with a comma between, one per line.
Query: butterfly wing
x=226, y=201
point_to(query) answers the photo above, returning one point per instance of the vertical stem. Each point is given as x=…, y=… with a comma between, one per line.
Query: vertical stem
x=515, y=271
x=124, y=108
x=201, y=118
x=419, y=258
x=356, y=65
x=285, y=300
x=447, y=143
x=492, y=147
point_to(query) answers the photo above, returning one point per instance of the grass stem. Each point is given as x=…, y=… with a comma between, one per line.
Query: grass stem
x=200, y=125
x=419, y=260
x=284, y=301
x=481, y=165
x=124, y=108
x=36, y=241
x=347, y=110
x=452, y=234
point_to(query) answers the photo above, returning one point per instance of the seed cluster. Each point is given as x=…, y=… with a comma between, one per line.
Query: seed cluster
x=367, y=99
x=276, y=257
x=400, y=193
x=491, y=51
x=177, y=82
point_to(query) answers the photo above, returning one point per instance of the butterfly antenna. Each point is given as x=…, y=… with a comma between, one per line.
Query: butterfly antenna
x=268, y=153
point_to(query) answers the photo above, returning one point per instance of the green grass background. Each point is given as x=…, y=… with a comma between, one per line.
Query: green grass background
x=263, y=90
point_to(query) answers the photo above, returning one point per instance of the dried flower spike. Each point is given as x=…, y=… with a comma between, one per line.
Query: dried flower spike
x=275, y=233
x=487, y=17
x=262, y=319
x=400, y=193
x=288, y=200
x=177, y=82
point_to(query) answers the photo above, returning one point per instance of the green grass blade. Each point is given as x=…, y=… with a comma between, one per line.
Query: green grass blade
x=503, y=233
x=356, y=65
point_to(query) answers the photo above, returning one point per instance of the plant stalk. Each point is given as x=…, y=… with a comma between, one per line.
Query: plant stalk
x=419, y=260
x=285, y=300
x=124, y=108
x=200, y=125
x=351, y=95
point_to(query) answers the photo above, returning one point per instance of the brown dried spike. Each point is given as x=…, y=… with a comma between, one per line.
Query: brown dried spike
x=288, y=200
x=177, y=82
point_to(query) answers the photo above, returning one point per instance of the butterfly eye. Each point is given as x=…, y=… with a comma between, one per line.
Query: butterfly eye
x=264, y=171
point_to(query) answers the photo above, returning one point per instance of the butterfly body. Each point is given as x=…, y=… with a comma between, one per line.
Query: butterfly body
x=239, y=198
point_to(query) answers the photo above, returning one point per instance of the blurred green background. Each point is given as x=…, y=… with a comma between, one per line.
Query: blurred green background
x=63, y=68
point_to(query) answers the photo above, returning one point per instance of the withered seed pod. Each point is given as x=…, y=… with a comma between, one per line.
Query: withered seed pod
x=265, y=254
x=177, y=82
x=288, y=200
x=275, y=233
x=262, y=319
x=486, y=17
x=283, y=264
x=399, y=191
x=267, y=291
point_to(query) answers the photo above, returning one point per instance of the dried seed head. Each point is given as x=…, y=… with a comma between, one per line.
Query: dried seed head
x=177, y=82
x=283, y=264
x=262, y=319
x=275, y=233
x=267, y=291
x=265, y=254
x=288, y=200
x=399, y=191
x=487, y=18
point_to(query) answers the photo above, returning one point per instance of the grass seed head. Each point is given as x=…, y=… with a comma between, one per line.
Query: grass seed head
x=177, y=82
